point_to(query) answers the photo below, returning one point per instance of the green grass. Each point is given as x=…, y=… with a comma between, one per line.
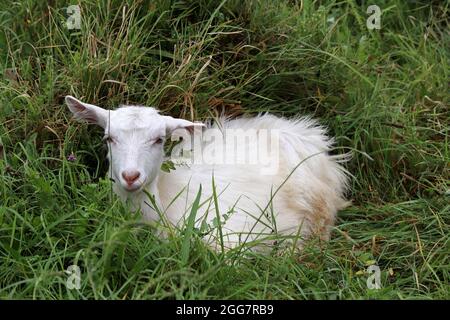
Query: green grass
x=383, y=94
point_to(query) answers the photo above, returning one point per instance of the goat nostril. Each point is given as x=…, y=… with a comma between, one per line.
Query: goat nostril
x=130, y=176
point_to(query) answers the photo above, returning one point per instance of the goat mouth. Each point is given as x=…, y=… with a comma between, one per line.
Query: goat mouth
x=132, y=188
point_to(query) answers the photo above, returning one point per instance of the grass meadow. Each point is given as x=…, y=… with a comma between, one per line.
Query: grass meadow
x=383, y=93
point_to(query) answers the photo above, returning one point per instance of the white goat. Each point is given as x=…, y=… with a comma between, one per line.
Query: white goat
x=298, y=198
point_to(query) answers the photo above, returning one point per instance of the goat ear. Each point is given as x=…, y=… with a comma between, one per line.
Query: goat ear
x=173, y=124
x=87, y=112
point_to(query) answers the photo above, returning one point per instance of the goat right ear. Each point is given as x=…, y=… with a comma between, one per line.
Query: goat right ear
x=87, y=112
x=173, y=124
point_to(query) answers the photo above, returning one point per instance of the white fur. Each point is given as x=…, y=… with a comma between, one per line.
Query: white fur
x=300, y=199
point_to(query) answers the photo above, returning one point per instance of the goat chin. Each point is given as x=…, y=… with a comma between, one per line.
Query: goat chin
x=298, y=200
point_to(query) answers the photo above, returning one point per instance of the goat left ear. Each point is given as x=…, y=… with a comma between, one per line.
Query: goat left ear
x=87, y=112
x=173, y=124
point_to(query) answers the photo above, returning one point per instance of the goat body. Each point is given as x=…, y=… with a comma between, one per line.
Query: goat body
x=299, y=197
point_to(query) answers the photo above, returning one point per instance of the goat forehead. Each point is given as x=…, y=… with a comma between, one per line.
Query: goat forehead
x=136, y=133
x=133, y=119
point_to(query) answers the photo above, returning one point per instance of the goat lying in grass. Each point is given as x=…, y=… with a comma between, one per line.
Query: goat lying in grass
x=298, y=198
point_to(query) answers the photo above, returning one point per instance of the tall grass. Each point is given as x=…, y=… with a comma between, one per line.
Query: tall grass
x=383, y=94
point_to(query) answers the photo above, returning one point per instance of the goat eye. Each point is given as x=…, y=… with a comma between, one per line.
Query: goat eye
x=108, y=139
x=158, y=141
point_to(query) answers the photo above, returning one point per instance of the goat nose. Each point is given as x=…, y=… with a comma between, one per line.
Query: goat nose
x=130, y=176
